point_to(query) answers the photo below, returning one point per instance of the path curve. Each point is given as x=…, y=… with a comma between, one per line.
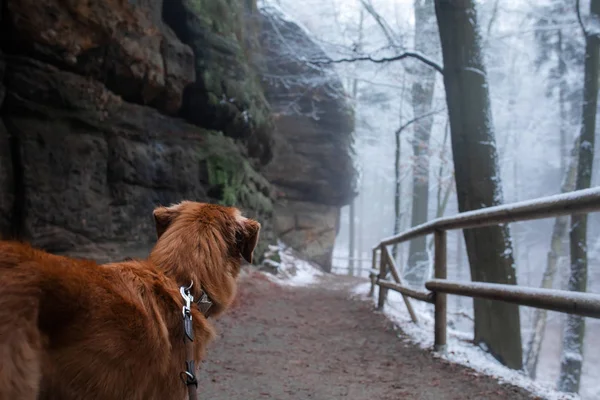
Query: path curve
x=319, y=343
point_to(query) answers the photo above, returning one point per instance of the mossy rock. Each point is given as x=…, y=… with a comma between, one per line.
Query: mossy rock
x=227, y=95
x=234, y=182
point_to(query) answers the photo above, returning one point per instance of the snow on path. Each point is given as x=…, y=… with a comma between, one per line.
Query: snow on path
x=459, y=349
x=295, y=272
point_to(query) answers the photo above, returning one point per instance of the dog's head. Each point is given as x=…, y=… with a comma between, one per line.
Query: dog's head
x=205, y=242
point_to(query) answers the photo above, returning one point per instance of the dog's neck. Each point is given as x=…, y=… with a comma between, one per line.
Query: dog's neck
x=185, y=267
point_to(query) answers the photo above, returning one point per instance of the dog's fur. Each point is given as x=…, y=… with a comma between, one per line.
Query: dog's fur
x=73, y=329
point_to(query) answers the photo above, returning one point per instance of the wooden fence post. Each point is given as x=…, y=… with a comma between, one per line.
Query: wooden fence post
x=391, y=264
x=440, y=298
x=382, y=274
x=373, y=267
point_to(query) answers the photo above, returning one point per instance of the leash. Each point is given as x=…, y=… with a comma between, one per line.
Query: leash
x=204, y=303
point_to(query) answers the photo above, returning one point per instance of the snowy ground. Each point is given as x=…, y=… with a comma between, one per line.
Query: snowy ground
x=460, y=317
x=291, y=270
x=459, y=350
x=322, y=342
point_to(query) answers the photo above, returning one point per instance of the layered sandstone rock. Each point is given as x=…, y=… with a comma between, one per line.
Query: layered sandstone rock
x=93, y=166
x=312, y=170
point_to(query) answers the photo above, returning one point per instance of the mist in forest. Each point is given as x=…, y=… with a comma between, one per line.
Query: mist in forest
x=532, y=57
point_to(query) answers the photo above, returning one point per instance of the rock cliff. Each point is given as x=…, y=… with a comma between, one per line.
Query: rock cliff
x=108, y=108
x=312, y=170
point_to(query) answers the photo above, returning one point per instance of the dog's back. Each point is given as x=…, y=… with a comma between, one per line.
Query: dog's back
x=69, y=328
x=72, y=329
x=21, y=342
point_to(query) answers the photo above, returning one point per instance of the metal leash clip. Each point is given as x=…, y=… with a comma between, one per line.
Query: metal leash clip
x=187, y=311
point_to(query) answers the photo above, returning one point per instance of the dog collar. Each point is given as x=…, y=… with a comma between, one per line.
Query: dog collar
x=204, y=303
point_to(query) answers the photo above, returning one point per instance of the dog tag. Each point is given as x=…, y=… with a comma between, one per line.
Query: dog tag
x=204, y=304
x=187, y=324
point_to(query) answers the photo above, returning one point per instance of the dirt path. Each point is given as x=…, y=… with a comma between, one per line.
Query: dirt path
x=317, y=343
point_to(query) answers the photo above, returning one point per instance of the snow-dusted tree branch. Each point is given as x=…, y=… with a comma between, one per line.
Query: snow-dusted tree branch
x=418, y=118
x=385, y=28
x=407, y=54
x=579, y=19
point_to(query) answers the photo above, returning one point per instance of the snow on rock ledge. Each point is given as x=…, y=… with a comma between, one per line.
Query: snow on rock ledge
x=286, y=268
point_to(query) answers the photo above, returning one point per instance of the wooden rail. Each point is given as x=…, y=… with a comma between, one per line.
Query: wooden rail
x=584, y=304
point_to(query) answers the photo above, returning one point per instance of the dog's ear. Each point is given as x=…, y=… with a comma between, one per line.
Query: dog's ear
x=248, y=234
x=163, y=217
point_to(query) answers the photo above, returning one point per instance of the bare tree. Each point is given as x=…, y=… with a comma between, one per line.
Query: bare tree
x=497, y=325
x=572, y=354
x=552, y=41
x=426, y=40
x=351, y=244
x=559, y=232
x=397, y=166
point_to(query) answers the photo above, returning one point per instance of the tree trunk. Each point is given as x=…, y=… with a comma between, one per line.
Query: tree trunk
x=443, y=194
x=351, y=247
x=361, y=227
x=559, y=232
x=562, y=98
x=397, y=191
x=351, y=222
x=422, y=98
x=459, y=268
x=477, y=175
x=352, y=233
x=572, y=354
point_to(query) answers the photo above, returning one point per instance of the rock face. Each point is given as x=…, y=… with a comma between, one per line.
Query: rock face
x=312, y=170
x=109, y=108
x=6, y=172
x=72, y=134
x=92, y=143
x=127, y=48
x=226, y=95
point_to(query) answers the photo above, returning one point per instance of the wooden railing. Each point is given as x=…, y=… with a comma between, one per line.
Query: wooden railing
x=584, y=304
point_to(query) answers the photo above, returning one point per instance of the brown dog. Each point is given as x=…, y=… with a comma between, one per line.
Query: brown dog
x=73, y=329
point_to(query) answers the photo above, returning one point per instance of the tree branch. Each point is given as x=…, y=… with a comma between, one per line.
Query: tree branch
x=415, y=119
x=387, y=31
x=579, y=19
x=407, y=54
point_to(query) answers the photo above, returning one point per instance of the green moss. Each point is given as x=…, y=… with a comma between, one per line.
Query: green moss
x=240, y=185
x=223, y=66
x=213, y=13
x=228, y=176
x=275, y=257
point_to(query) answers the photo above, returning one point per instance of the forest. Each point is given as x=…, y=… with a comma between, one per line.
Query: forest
x=461, y=105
